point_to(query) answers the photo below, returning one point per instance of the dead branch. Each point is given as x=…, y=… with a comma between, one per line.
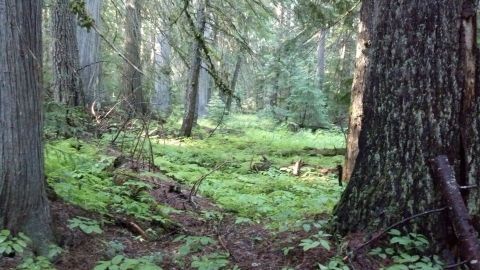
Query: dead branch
x=458, y=212
x=198, y=182
x=297, y=167
x=384, y=231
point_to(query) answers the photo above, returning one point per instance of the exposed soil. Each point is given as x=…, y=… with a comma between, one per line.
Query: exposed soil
x=250, y=246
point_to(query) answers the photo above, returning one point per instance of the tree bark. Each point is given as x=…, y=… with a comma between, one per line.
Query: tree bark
x=358, y=86
x=132, y=77
x=204, y=82
x=321, y=58
x=192, y=87
x=67, y=84
x=161, y=98
x=23, y=201
x=89, y=55
x=417, y=91
x=233, y=85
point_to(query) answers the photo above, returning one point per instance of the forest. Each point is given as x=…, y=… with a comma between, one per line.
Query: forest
x=228, y=135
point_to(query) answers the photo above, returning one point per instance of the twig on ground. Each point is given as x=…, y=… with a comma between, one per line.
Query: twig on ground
x=384, y=231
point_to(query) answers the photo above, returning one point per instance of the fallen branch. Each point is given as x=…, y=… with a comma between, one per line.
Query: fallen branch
x=458, y=212
x=132, y=227
x=384, y=231
x=196, y=186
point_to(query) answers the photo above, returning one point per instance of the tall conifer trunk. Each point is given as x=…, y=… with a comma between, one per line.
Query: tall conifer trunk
x=421, y=100
x=23, y=201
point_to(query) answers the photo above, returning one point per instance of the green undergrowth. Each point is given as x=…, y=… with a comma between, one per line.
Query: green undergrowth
x=273, y=195
x=81, y=174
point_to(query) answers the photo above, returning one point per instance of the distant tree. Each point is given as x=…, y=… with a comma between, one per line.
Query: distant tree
x=192, y=87
x=161, y=101
x=23, y=202
x=132, y=75
x=67, y=83
x=88, y=42
x=421, y=100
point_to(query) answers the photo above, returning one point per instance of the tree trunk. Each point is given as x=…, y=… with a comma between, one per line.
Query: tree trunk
x=132, y=76
x=89, y=54
x=356, y=96
x=161, y=98
x=420, y=101
x=192, y=87
x=23, y=201
x=67, y=83
x=203, y=91
x=321, y=58
x=236, y=72
x=204, y=82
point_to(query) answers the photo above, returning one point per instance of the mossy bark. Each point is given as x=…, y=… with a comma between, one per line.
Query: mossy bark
x=420, y=101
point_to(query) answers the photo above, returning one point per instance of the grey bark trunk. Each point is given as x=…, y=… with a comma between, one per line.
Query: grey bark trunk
x=420, y=94
x=192, y=87
x=203, y=91
x=233, y=85
x=89, y=55
x=358, y=86
x=67, y=84
x=23, y=201
x=321, y=58
x=204, y=82
x=161, y=98
x=132, y=78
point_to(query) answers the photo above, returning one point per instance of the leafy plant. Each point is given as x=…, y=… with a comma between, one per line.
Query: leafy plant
x=212, y=261
x=317, y=240
x=36, y=263
x=120, y=262
x=336, y=263
x=193, y=244
x=406, y=251
x=86, y=225
x=10, y=244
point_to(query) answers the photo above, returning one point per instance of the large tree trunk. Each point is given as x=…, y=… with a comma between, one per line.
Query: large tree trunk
x=132, y=76
x=358, y=86
x=67, y=83
x=192, y=87
x=23, y=201
x=420, y=101
x=161, y=98
x=89, y=54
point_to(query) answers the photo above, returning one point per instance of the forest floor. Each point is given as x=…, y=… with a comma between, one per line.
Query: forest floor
x=114, y=209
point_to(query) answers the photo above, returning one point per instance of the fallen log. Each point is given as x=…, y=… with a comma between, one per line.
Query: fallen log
x=458, y=213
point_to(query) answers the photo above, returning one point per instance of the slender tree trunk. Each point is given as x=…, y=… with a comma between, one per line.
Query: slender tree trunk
x=204, y=82
x=203, y=91
x=89, y=54
x=192, y=87
x=161, y=98
x=67, y=85
x=132, y=77
x=23, y=201
x=421, y=100
x=321, y=58
x=358, y=86
x=233, y=85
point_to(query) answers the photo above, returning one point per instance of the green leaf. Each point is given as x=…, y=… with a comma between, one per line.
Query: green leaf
x=307, y=227
x=394, y=232
x=117, y=259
